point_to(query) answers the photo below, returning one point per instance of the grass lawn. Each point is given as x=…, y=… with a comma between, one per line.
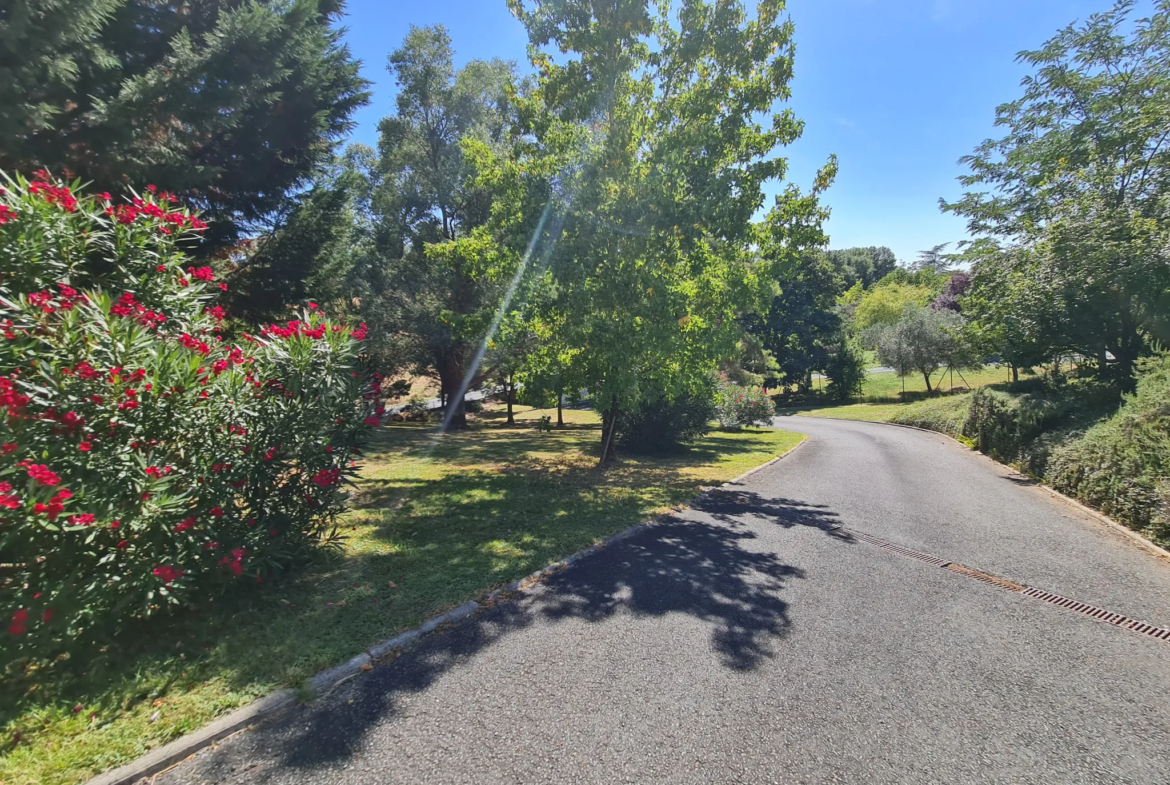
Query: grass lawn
x=887, y=385
x=438, y=521
x=873, y=412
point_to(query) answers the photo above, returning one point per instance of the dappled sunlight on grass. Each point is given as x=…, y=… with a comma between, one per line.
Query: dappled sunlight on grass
x=437, y=521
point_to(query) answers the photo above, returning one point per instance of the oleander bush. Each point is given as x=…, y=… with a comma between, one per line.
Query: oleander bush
x=148, y=460
x=737, y=406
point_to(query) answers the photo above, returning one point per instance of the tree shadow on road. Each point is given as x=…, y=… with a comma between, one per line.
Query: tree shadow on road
x=707, y=564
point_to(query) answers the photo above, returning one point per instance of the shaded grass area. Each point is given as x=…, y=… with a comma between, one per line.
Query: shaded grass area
x=438, y=521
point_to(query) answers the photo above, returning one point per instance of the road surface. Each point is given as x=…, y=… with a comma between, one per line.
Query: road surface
x=764, y=637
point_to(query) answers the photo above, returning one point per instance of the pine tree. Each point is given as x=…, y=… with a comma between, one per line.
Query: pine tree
x=230, y=104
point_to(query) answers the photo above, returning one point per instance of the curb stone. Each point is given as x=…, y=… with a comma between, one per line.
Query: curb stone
x=180, y=749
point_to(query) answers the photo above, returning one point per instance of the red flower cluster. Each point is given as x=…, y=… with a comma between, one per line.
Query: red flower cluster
x=84, y=519
x=294, y=328
x=216, y=312
x=6, y=214
x=127, y=214
x=127, y=306
x=202, y=274
x=7, y=498
x=43, y=475
x=10, y=398
x=19, y=622
x=360, y=333
x=55, y=506
x=327, y=477
x=186, y=524
x=167, y=573
x=53, y=194
x=194, y=344
x=236, y=562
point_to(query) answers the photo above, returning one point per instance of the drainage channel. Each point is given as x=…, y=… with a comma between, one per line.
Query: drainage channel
x=1100, y=614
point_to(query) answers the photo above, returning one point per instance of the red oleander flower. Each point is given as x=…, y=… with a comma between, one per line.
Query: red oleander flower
x=168, y=574
x=186, y=524
x=43, y=475
x=85, y=519
x=18, y=625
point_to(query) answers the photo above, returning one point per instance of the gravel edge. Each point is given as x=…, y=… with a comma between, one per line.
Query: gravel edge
x=321, y=684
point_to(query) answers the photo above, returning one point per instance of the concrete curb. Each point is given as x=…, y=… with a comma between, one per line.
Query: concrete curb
x=184, y=747
x=1097, y=515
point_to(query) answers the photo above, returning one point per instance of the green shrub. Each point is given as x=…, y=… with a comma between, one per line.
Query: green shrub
x=147, y=461
x=665, y=425
x=945, y=414
x=845, y=371
x=1122, y=466
x=741, y=407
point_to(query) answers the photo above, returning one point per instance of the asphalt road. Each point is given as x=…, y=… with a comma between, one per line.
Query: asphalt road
x=751, y=641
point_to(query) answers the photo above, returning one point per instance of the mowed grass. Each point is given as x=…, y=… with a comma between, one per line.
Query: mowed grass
x=437, y=521
x=887, y=385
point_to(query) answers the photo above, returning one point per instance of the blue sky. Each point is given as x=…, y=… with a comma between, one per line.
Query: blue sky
x=898, y=89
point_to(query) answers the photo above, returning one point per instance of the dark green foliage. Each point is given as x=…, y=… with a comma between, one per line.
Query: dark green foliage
x=1022, y=423
x=802, y=329
x=309, y=255
x=665, y=426
x=864, y=265
x=1122, y=465
x=230, y=103
x=845, y=370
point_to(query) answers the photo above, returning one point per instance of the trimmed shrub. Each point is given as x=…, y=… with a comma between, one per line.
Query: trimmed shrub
x=666, y=425
x=147, y=460
x=1122, y=465
x=742, y=407
x=945, y=414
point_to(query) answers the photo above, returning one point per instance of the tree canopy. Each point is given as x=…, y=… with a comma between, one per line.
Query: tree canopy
x=662, y=127
x=230, y=104
x=1078, y=189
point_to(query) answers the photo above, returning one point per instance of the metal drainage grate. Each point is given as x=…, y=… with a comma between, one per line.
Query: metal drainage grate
x=1116, y=619
x=889, y=546
x=1002, y=583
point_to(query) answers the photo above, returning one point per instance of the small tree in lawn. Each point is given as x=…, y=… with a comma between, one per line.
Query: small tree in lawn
x=922, y=341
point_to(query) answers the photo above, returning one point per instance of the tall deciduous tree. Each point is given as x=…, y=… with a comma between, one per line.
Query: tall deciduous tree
x=865, y=265
x=231, y=104
x=1082, y=176
x=659, y=116
x=439, y=273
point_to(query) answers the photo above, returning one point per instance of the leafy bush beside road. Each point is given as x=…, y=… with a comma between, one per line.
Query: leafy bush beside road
x=147, y=460
x=737, y=406
x=1122, y=465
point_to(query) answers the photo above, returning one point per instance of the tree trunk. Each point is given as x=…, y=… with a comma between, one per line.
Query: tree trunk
x=511, y=390
x=1015, y=373
x=561, y=409
x=608, y=426
x=450, y=380
x=926, y=376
